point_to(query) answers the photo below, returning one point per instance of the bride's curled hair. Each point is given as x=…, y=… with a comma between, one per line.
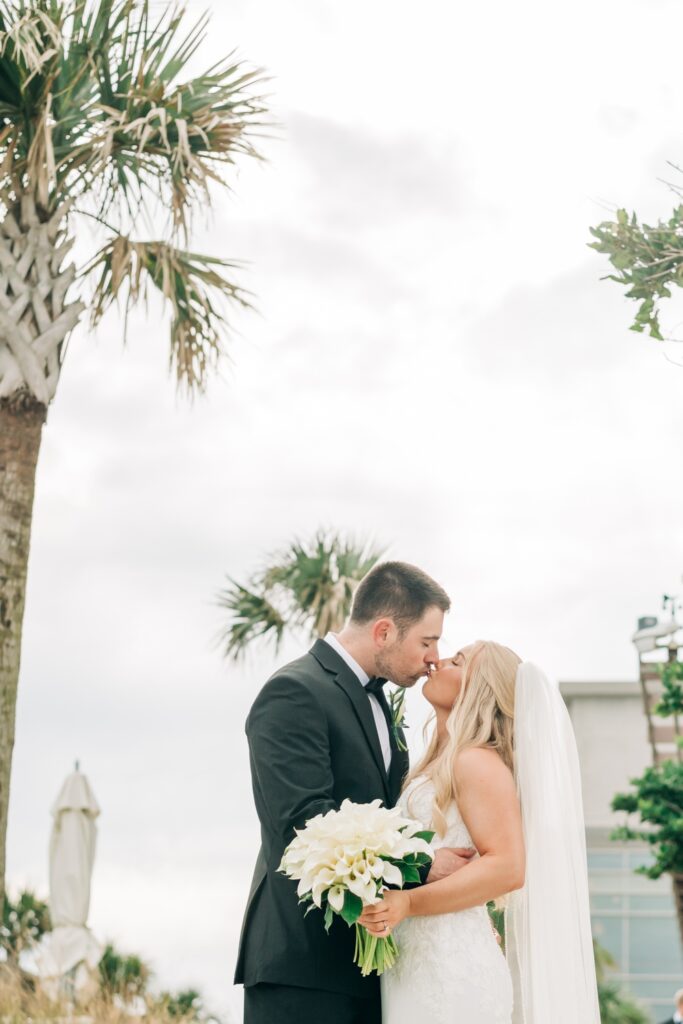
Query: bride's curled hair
x=482, y=716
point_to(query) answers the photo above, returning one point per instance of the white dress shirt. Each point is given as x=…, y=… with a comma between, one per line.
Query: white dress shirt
x=364, y=679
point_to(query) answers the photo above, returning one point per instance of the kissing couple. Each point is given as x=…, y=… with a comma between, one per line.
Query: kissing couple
x=498, y=784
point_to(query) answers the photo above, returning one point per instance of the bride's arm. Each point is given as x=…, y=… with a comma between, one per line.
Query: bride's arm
x=488, y=802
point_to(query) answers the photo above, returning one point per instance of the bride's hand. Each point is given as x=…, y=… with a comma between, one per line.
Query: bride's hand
x=381, y=918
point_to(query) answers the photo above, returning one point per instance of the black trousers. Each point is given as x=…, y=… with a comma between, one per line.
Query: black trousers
x=285, y=1004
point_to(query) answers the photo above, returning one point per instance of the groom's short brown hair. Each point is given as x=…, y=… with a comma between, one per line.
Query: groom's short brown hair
x=397, y=591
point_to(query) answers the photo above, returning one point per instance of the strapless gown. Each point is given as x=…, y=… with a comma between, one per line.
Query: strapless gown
x=450, y=969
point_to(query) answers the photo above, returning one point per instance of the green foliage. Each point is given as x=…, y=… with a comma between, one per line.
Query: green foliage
x=122, y=974
x=186, y=280
x=251, y=616
x=307, y=586
x=186, y=1004
x=24, y=921
x=648, y=261
x=671, y=704
x=657, y=796
x=101, y=82
x=616, y=1006
x=397, y=699
x=22, y=1002
x=497, y=915
x=604, y=961
x=352, y=907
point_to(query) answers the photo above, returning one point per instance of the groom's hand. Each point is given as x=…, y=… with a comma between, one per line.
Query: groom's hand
x=447, y=860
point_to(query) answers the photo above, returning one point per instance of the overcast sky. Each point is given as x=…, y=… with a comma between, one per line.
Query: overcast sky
x=435, y=365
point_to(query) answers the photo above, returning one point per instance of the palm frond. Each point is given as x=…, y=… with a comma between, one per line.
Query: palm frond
x=95, y=110
x=251, y=617
x=320, y=579
x=92, y=92
x=24, y=40
x=309, y=586
x=187, y=281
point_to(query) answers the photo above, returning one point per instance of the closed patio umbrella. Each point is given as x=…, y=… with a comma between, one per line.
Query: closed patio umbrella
x=71, y=949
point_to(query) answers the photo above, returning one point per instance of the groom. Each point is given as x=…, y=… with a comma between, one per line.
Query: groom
x=320, y=731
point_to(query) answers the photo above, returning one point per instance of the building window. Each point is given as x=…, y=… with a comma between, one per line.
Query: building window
x=634, y=919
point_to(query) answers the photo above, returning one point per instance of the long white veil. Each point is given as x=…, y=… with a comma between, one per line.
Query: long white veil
x=547, y=923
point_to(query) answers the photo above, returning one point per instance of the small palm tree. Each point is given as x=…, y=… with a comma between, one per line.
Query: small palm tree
x=306, y=587
x=617, y=1006
x=101, y=132
x=122, y=974
x=24, y=922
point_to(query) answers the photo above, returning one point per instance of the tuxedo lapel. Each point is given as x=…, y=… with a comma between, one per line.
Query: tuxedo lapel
x=353, y=688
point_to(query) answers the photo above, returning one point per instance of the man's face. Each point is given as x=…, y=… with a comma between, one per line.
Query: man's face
x=406, y=659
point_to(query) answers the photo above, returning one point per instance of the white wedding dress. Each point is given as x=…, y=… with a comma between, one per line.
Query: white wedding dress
x=450, y=969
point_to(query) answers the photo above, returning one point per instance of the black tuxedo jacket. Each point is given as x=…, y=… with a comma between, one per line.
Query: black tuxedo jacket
x=670, y=1021
x=312, y=743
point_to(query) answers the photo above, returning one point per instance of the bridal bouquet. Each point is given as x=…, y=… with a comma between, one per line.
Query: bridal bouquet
x=343, y=861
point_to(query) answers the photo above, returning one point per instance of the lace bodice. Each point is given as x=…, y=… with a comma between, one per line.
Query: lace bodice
x=417, y=801
x=450, y=969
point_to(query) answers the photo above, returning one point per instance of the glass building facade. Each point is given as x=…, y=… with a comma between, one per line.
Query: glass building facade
x=634, y=919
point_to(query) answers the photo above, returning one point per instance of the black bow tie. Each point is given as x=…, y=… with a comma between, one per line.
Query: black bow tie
x=375, y=686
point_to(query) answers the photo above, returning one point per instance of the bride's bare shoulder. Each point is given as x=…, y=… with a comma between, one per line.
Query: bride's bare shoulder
x=480, y=764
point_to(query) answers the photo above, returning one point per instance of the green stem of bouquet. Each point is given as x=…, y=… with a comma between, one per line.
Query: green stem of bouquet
x=373, y=954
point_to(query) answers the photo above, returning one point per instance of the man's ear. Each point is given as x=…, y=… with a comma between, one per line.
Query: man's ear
x=383, y=632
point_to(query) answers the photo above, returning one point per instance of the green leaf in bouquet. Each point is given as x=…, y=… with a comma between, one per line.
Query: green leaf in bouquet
x=352, y=908
x=329, y=914
x=427, y=836
x=410, y=873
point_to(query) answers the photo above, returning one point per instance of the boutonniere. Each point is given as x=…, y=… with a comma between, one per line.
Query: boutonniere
x=397, y=700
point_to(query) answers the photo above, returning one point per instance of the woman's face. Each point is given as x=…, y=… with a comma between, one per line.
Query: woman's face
x=445, y=680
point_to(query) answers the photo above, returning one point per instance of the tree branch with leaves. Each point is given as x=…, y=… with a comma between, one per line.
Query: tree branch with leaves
x=657, y=799
x=648, y=260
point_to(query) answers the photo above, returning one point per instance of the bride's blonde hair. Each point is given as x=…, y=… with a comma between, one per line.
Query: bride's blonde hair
x=482, y=716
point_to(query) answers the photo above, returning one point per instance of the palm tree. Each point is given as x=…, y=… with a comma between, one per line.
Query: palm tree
x=24, y=922
x=306, y=587
x=99, y=132
x=122, y=974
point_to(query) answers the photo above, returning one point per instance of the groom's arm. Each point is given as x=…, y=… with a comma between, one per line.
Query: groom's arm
x=446, y=861
x=290, y=756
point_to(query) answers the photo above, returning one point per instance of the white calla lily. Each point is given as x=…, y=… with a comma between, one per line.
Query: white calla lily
x=346, y=851
x=335, y=897
x=392, y=874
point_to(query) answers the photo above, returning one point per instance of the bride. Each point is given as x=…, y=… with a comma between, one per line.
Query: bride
x=500, y=774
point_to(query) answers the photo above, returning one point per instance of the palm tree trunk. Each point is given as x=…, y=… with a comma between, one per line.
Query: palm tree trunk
x=21, y=424
x=35, y=321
